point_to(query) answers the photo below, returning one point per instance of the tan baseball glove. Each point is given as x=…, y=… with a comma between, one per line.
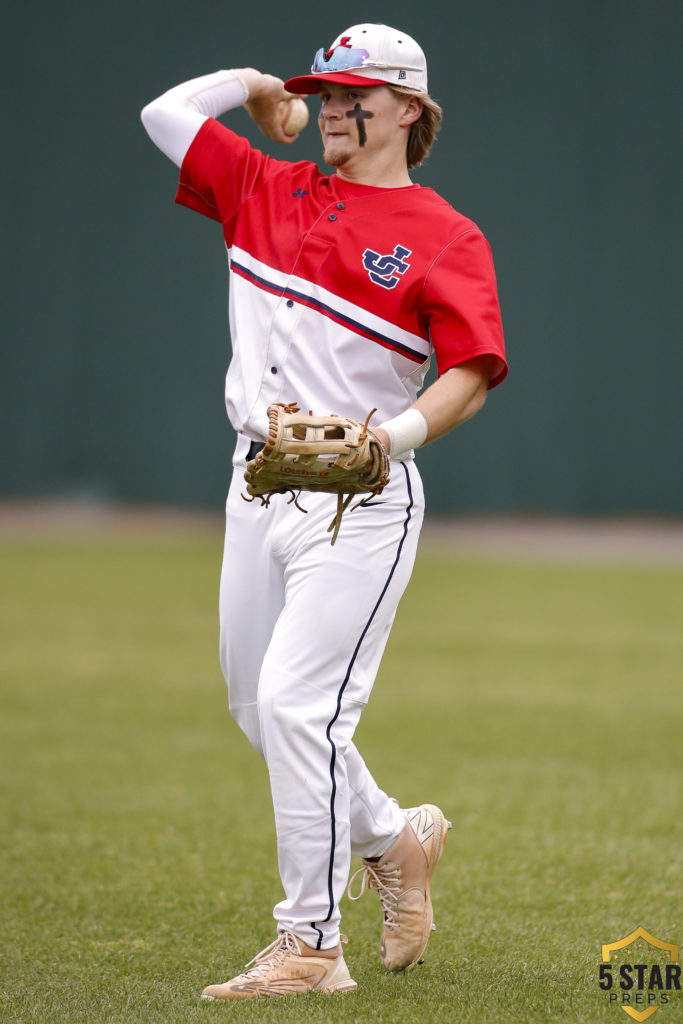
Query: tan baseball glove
x=317, y=453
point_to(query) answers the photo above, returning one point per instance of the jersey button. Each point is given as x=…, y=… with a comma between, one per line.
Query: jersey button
x=333, y=216
x=273, y=369
x=340, y=206
x=290, y=303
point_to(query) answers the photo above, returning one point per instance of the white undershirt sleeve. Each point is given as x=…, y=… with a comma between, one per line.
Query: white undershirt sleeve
x=173, y=120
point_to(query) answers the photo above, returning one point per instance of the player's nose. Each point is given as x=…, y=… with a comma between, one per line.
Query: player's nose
x=332, y=108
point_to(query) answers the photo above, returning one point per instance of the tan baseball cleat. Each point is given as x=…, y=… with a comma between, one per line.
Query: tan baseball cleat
x=401, y=877
x=283, y=969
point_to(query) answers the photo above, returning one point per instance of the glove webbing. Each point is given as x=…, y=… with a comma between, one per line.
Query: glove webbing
x=342, y=500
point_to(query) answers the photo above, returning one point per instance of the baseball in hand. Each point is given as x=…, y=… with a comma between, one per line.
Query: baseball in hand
x=294, y=116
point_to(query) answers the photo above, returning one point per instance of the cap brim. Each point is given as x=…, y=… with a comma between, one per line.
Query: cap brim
x=309, y=84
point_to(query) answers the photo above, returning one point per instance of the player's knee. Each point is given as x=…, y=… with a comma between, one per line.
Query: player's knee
x=282, y=714
x=293, y=728
x=274, y=709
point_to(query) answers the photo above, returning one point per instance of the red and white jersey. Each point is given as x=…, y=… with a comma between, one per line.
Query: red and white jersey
x=339, y=293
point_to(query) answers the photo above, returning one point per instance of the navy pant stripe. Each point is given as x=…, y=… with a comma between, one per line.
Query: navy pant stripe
x=333, y=758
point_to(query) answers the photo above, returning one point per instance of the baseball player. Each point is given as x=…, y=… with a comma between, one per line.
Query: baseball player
x=344, y=283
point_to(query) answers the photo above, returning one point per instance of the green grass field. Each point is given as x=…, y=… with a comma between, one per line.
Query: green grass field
x=539, y=704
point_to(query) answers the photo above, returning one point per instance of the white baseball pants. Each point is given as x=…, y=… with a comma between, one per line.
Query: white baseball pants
x=303, y=629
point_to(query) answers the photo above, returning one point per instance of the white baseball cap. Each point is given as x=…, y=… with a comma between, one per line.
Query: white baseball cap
x=367, y=55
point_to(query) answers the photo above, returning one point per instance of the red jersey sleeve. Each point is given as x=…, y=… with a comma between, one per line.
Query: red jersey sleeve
x=461, y=305
x=219, y=173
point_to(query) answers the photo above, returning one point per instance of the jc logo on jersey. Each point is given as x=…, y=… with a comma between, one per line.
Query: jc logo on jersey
x=384, y=270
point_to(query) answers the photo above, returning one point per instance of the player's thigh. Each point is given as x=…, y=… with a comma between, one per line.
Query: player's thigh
x=251, y=592
x=340, y=601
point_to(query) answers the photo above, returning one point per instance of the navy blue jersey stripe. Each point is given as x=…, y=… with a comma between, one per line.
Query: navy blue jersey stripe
x=374, y=335
x=322, y=307
x=333, y=758
x=275, y=289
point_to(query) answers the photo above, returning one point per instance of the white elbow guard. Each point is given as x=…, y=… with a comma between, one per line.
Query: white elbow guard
x=407, y=431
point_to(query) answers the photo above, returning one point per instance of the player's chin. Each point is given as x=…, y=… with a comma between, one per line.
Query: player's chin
x=335, y=156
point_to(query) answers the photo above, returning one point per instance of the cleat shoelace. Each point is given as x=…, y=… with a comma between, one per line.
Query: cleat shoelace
x=386, y=881
x=272, y=955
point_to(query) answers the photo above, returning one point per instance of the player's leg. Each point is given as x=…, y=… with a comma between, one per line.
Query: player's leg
x=251, y=598
x=376, y=819
x=316, y=679
x=250, y=601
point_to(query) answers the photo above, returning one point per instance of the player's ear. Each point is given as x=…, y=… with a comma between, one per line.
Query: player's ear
x=412, y=111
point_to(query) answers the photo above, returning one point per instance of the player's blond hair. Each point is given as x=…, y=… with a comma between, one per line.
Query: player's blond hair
x=424, y=131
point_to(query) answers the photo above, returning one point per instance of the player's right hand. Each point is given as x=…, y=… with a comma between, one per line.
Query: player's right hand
x=266, y=93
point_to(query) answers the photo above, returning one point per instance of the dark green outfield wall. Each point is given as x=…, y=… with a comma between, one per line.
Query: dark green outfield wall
x=561, y=139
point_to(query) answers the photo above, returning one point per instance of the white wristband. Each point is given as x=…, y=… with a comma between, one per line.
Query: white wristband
x=407, y=431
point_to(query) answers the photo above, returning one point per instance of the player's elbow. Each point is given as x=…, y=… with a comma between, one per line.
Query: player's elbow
x=479, y=371
x=149, y=116
x=160, y=120
x=479, y=397
x=474, y=404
